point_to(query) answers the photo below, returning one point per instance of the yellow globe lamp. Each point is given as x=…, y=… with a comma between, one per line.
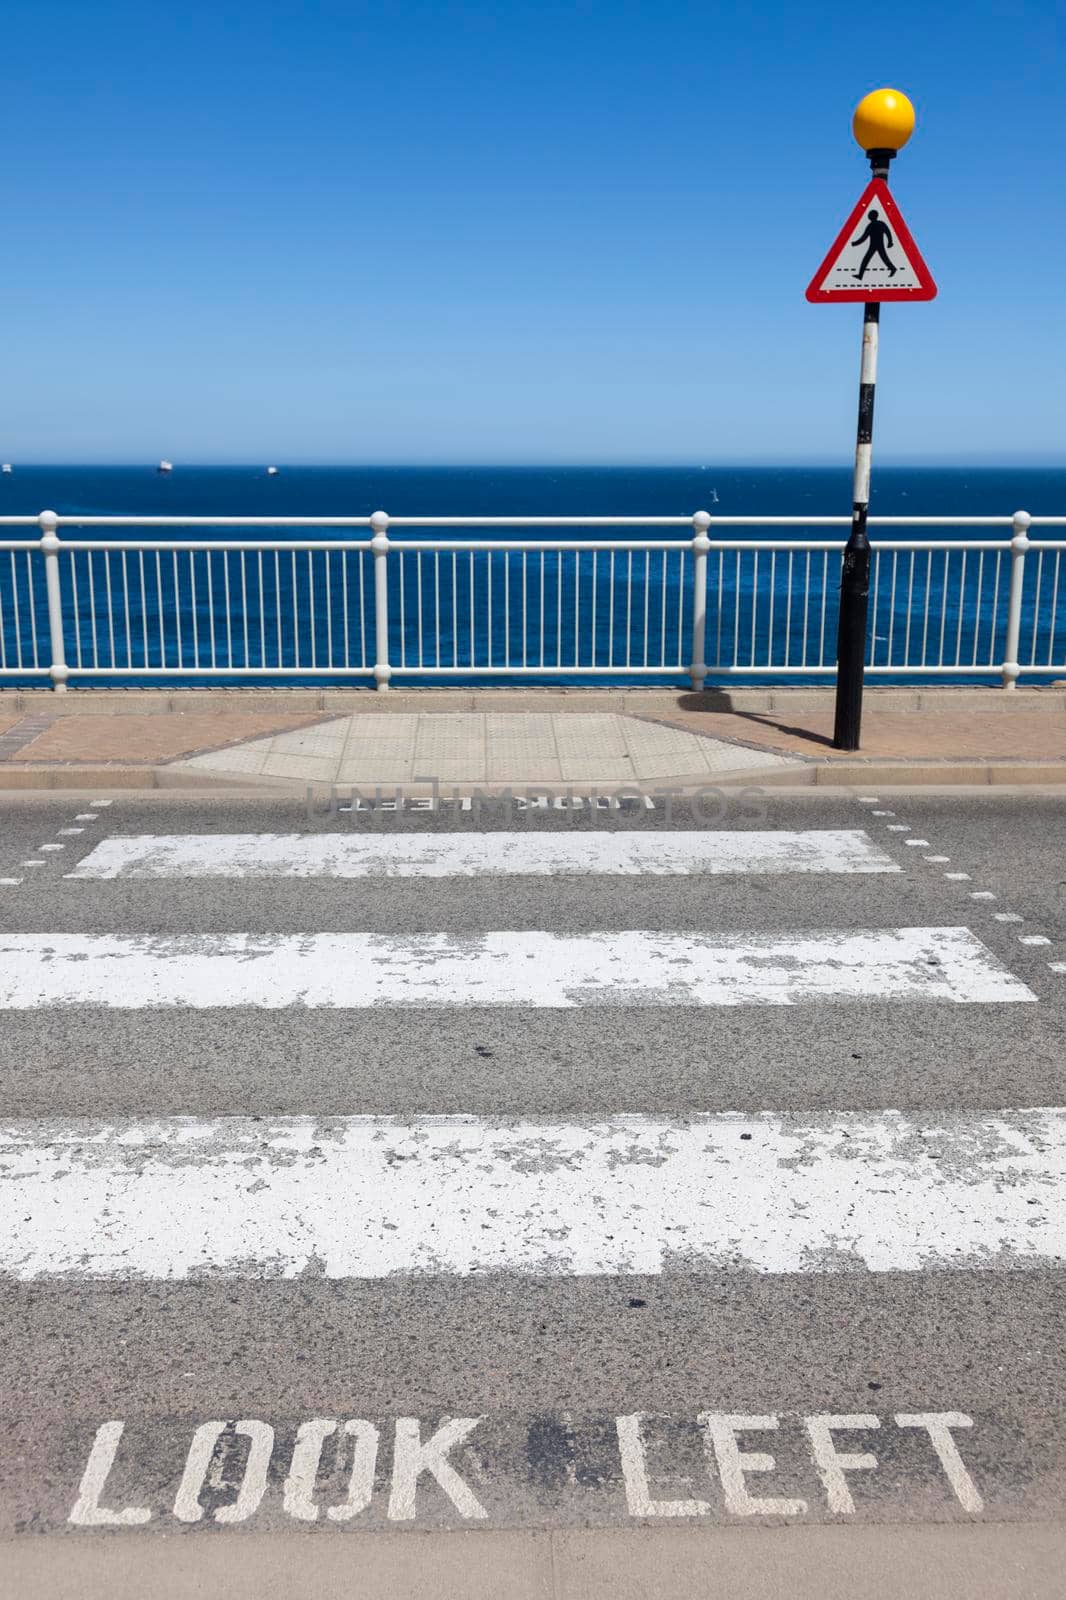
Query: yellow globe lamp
x=883, y=120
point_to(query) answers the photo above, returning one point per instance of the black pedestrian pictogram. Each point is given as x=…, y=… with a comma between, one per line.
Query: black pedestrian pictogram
x=878, y=235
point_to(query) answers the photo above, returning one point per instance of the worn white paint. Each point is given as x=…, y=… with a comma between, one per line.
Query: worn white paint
x=939, y=1425
x=412, y=1456
x=471, y=855
x=555, y=970
x=299, y=1492
x=721, y=1430
x=87, y=1511
x=187, y=1507
x=211, y=1458
x=640, y=1502
x=831, y=1463
x=370, y=1197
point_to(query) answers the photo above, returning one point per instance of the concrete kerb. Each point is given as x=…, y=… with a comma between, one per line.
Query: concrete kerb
x=841, y=777
x=141, y=702
x=268, y=798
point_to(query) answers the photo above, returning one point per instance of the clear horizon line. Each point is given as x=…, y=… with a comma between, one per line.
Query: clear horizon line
x=892, y=464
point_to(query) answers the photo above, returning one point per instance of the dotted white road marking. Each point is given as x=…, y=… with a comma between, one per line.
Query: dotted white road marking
x=981, y=894
x=86, y=816
x=10, y=882
x=66, y=833
x=1007, y=916
x=43, y=847
x=958, y=877
x=1032, y=938
x=936, y=859
x=917, y=843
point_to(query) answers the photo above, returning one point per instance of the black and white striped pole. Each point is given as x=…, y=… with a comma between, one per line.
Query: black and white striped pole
x=855, y=573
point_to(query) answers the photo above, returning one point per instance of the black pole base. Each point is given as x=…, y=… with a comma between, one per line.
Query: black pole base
x=851, y=635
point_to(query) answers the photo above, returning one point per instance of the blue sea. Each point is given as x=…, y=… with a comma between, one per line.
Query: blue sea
x=973, y=613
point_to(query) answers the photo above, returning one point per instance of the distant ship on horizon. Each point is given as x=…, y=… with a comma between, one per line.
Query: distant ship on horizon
x=6, y=467
x=165, y=467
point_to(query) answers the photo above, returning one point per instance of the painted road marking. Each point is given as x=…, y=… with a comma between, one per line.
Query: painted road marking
x=369, y=1197
x=339, y=970
x=410, y=855
x=398, y=1470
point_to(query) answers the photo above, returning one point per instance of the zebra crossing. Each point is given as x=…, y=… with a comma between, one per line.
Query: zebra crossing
x=371, y=1197
x=779, y=1226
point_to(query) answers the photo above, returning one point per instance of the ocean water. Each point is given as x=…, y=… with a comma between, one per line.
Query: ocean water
x=288, y=617
x=529, y=491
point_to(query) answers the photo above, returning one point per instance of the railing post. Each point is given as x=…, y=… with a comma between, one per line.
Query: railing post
x=59, y=672
x=379, y=544
x=1019, y=544
x=700, y=545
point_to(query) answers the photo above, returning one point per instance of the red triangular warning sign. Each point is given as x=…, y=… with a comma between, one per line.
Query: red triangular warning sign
x=873, y=256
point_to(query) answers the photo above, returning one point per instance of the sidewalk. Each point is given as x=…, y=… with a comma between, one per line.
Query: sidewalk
x=492, y=738
x=971, y=1561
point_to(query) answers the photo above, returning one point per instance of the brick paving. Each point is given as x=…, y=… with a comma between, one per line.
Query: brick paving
x=141, y=740
x=926, y=735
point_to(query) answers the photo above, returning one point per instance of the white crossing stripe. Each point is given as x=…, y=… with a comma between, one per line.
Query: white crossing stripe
x=501, y=969
x=468, y=855
x=369, y=1197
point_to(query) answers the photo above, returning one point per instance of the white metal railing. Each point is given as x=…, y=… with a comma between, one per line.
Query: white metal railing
x=182, y=597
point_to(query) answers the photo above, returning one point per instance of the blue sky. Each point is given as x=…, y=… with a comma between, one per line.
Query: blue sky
x=422, y=230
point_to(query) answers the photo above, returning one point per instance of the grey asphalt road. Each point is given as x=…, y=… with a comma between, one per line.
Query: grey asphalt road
x=547, y=1365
